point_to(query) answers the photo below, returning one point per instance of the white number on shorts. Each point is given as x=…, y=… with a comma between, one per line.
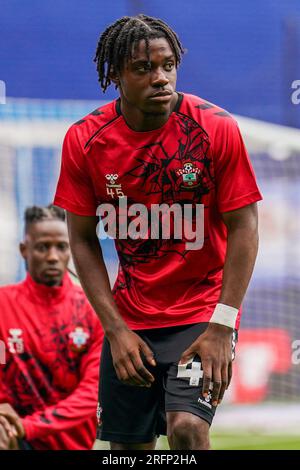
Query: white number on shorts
x=194, y=373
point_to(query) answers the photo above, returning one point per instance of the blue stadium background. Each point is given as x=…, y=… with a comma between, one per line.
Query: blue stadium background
x=243, y=55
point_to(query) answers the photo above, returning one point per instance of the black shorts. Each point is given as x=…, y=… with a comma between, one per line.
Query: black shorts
x=132, y=414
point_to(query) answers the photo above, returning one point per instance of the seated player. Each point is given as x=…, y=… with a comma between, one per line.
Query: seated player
x=53, y=338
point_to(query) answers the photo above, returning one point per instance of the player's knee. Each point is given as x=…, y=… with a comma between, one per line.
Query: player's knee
x=189, y=432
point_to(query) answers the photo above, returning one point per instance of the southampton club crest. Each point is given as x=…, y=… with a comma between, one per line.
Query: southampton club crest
x=79, y=339
x=98, y=414
x=190, y=176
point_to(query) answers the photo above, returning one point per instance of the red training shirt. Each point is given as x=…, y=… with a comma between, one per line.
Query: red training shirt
x=53, y=342
x=196, y=157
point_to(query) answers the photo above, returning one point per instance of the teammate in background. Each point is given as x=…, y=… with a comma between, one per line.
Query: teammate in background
x=49, y=384
x=170, y=306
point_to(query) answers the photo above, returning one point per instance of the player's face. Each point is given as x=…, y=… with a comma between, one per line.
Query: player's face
x=46, y=251
x=149, y=85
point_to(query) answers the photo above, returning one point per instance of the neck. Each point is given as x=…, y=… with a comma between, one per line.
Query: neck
x=140, y=121
x=48, y=283
x=44, y=293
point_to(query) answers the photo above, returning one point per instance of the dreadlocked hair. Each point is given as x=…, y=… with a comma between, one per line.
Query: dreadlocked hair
x=37, y=214
x=120, y=39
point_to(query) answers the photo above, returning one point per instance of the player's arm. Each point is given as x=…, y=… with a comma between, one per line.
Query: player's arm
x=242, y=246
x=126, y=346
x=214, y=346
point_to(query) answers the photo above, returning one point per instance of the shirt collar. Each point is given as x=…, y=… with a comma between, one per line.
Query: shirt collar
x=45, y=294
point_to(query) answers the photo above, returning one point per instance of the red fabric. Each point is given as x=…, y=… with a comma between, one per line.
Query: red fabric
x=160, y=283
x=52, y=363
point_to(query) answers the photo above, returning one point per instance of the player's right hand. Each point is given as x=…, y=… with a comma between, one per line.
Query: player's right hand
x=126, y=349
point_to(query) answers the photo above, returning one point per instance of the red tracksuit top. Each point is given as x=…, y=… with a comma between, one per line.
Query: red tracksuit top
x=53, y=340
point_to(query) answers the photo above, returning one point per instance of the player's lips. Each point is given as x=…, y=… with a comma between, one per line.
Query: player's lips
x=161, y=96
x=52, y=272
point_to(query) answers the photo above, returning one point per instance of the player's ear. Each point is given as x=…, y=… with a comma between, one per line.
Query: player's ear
x=23, y=250
x=114, y=76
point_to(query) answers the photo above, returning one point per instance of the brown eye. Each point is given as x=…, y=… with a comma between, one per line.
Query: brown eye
x=144, y=68
x=41, y=247
x=63, y=246
x=169, y=66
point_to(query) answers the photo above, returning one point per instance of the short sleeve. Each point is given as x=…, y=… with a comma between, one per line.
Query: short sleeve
x=236, y=185
x=74, y=190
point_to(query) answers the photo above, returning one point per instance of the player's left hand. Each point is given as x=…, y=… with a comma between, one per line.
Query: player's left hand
x=8, y=435
x=214, y=347
x=13, y=418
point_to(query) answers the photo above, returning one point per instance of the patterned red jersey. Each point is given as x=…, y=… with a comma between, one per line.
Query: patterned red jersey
x=196, y=157
x=53, y=342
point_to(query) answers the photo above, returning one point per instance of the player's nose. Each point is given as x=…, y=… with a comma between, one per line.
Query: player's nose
x=52, y=255
x=159, y=79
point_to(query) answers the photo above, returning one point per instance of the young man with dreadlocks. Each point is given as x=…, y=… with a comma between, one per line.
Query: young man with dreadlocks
x=53, y=338
x=171, y=307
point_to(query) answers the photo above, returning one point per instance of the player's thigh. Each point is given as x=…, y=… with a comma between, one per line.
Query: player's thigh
x=128, y=415
x=183, y=383
x=183, y=393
